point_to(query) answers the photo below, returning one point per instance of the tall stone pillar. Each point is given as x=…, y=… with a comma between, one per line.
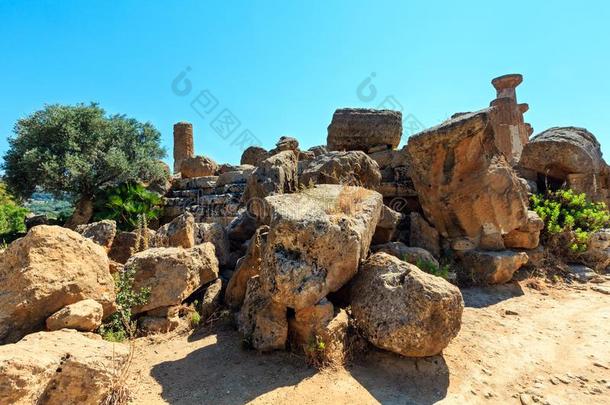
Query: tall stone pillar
x=183, y=143
x=512, y=133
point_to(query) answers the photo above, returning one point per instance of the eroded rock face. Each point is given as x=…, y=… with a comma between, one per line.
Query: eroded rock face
x=489, y=267
x=363, y=129
x=84, y=316
x=102, y=232
x=423, y=235
x=526, y=237
x=172, y=274
x=353, y=168
x=466, y=187
x=180, y=232
x=274, y=175
x=253, y=156
x=198, y=166
x=285, y=143
x=310, y=322
x=387, y=227
x=261, y=320
x=247, y=267
x=49, y=268
x=124, y=243
x=404, y=310
x=316, y=240
x=61, y=367
x=216, y=235
x=211, y=299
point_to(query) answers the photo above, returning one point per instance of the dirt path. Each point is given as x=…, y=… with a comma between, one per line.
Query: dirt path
x=516, y=345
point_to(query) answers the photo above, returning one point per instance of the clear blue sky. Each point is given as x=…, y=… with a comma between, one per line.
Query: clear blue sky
x=282, y=68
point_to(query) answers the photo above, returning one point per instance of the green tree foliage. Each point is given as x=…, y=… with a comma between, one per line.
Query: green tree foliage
x=79, y=150
x=128, y=204
x=569, y=218
x=120, y=325
x=12, y=215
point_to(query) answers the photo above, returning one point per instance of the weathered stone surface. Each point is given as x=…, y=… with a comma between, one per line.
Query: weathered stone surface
x=465, y=185
x=172, y=274
x=361, y=129
x=61, y=367
x=526, y=237
x=390, y=158
x=404, y=310
x=49, y=268
x=598, y=251
x=318, y=150
x=309, y=322
x=423, y=235
x=316, y=240
x=407, y=253
x=102, y=232
x=178, y=233
x=254, y=155
x=387, y=227
x=275, y=175
x=247, y=267
x=150, y=325
x=582, y=273
x=85, y=316
x=184, y=147
x=261, y=320
x=489, y=267
x=244, y=225
x=34, y=220
x=285, y=143
x=353, y=168
x=216, y=235
x=198, y=166
x=234, y=176
x=570, y=156
x=211, y=299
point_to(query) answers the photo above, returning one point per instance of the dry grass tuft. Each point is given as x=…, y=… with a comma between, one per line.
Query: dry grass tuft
x=119, y=393
x=350, y=201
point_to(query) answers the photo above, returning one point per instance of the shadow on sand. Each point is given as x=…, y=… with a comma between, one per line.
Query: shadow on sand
x=224, y=373
x=480, y=297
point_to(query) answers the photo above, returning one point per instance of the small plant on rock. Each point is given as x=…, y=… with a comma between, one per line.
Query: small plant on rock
x=569, y=220
x=431, y=268
x=120, y=325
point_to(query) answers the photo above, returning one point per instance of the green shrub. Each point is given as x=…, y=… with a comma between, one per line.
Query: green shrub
x=120, y=325
x=569, y=219
x=195, y=319
x=126, y=204
x=431, y=268
x=12, y=215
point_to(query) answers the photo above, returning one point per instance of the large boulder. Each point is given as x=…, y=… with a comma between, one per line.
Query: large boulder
x=215, y=234
x=253, y=155
x=526, y=237
x=404, y=310
x=262, y=321
x=274, y=175
x=247, y=267
x=62, y=367
x=180, y=232
x=172, y=274
x=466, y=187
x=285, y=143
x=353, y=168
x=316, y=240
x=363, y=129
x=85, y=316
x=102, y=232
x=198, y=166
x=388, y=226
x=423, y=235
x=49, y=268
x=488, y=267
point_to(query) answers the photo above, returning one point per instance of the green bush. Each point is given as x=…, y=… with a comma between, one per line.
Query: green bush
x=569, y=219
x=431, y=268
x=12, y=215
x=127, y=204
x=120, y=325
x=195, y=319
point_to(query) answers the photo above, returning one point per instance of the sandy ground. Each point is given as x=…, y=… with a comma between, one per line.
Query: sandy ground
x=517, y=345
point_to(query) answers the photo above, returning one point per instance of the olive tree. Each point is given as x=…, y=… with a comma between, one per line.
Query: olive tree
x=79, y=150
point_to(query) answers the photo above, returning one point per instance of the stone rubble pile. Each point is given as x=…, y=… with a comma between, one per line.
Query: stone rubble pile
x=304, y=246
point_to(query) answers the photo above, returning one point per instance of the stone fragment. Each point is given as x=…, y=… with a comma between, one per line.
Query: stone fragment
x=488, y=267
x=61, y=367
x=180, y=232
x=216, y=235
x=84, y=316
x=362, y=129
x=423, y=235
x=172, y=274
x=275, y=175
x=316, y=240
x=262, y=321
x=102, y=232
x=49, y=268
x=198, y=166
x=125, y=242
x=211, y=299
x=407, y=253
x=310, y=322
x=183, y=144
x=353, y=168
x=253, y=155
x=404, y=310
x=526, y=237
x=465, y=185
x=387, y=227
x=247, y=267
